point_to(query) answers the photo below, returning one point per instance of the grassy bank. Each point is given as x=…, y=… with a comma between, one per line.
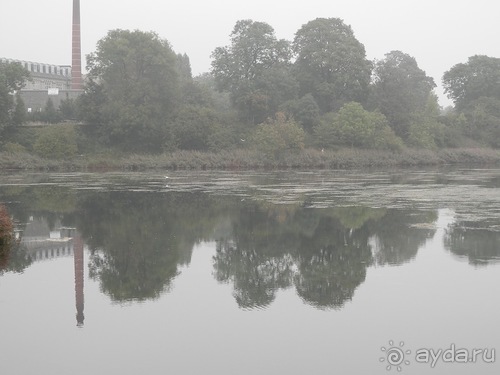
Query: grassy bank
x=247, y=159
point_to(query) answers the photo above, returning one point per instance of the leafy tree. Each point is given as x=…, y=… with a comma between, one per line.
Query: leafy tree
x=253, y=69
x=331, y=63
x=12, y=79
x=184, y=67
x=208, y=95
x=355, y=124
x=305, y=111
x=50, y=114
x=327, y=133
x=19, y=115
x=278, y=136
x=133, y=85
x=479, y=77
x=68, y=108
x=425, y=130
x=226, y=134
x=356, y=127
x=400, y=89
x=193, y=126
x=483, y=117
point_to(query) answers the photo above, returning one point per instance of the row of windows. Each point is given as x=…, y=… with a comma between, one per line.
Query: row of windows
x=52, y=253
x=45, y=84
x=64, y=71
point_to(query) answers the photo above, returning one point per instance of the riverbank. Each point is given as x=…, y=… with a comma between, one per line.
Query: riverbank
x=248, y=159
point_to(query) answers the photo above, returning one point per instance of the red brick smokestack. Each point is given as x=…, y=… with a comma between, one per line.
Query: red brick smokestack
x=76, y=57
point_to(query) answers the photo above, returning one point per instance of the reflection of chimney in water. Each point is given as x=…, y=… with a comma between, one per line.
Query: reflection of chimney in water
x=78, y=258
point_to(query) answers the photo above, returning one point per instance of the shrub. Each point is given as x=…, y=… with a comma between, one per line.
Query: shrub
x=14, y=148
x=353, y=126
x=56, y=142
x=277, y=136
x=193, y=127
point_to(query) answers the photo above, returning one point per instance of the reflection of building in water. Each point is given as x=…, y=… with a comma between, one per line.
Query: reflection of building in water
x=45, y=244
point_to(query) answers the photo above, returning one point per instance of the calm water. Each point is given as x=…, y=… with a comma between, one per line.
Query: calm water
x=322, y=272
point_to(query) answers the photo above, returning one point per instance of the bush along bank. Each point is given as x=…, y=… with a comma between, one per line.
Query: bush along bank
x=250, y=159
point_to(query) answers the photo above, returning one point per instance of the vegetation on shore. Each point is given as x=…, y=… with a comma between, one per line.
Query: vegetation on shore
x=252, y=159
x=314, y=102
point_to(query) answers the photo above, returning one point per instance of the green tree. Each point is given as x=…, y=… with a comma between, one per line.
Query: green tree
x=483, y=116
x=331, y=63
x=50, y=114
x=304, y=110
x=354, y=126
x=210, y=96
x=479, y=77
x=278, y=136
x=19, y=115
x=184, y=67
x=425, y=130
x=254, y=70
x=193, y=126
x=68, y=109
x=400, y=89
x=12, y=79
x=133, y=89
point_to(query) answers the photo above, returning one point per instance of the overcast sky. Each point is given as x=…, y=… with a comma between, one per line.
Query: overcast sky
x=438, y=33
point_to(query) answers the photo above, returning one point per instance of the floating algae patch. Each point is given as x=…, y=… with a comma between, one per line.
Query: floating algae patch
x=474, y=194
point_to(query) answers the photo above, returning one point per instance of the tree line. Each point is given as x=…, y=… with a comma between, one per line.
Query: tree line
x=277, y=96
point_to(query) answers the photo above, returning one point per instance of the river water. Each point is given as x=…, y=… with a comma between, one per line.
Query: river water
x=293, y=272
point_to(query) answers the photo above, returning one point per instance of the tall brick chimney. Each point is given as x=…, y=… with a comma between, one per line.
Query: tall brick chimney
x=76, y=57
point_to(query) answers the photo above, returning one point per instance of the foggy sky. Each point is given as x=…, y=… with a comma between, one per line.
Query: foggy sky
x=438, y=33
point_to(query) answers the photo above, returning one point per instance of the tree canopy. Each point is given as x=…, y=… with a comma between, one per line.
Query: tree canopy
x=331, y=63
x=400, y=89
x=133, y=88
x=475, y=89
x=480, y=76
x=354, y=126
x=320, y=89
x=243, y=69
x=12, y=79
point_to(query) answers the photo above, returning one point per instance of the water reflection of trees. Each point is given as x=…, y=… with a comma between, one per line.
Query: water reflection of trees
x=14, y=259
x=50, y=204
x=323, y=253
x=477, y=242
x=140, y=241
x=399, y=234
